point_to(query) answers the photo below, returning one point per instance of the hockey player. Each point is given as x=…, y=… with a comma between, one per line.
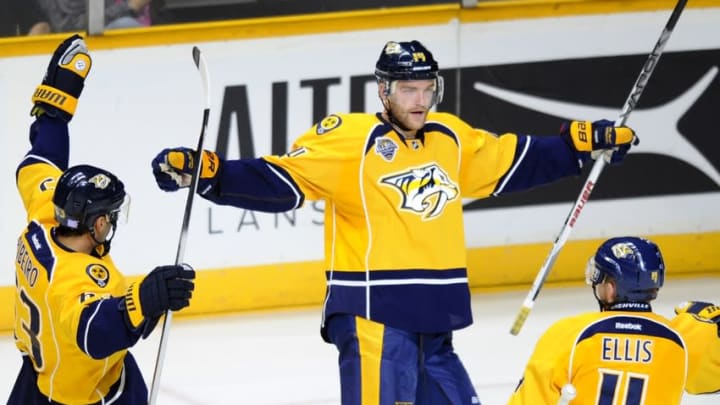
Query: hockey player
x=75, y=314
x=624, y=354
x=393, y=184
x=699, y=325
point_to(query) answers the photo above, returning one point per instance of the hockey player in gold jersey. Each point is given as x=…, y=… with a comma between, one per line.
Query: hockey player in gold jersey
x=624, y=354
x=699, y=325
x=75, y=314
x=393, y=185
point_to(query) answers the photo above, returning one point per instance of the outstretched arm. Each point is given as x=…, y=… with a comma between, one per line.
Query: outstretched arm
x=253, y=184
x=543, y=159
x=54, y=103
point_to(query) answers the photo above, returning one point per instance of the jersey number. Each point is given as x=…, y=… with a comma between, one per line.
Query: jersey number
x=33, y=329
x=634, y=388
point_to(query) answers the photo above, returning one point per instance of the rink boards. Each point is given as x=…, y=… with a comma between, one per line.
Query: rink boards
x=515, y=66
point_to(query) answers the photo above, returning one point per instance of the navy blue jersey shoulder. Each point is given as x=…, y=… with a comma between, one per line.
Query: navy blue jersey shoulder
x=38, y=243
x=632, y=326
x=378, y=131
x=443, y=129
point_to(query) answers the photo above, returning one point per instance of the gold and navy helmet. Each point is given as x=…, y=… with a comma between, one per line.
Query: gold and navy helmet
x=635, y=264
x=408, y=61
x=85, y=192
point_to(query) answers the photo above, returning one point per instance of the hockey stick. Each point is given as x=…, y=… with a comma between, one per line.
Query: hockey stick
x=597, y=168
x=567, y=394
x=202, y=68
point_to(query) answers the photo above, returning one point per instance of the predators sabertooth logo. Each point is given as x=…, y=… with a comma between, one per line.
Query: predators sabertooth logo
x=425, y=190
x=629, y=251
x=624, y=250
x=100, y=181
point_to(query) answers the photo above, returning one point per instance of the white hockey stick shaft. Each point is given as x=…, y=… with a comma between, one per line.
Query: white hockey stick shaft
x=597, y=168
x=202, y=68
x=567, y=394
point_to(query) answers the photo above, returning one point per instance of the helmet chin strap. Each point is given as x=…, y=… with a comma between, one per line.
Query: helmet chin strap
x=104, y=247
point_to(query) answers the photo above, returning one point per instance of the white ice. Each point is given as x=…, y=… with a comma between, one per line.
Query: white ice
x=278, y=357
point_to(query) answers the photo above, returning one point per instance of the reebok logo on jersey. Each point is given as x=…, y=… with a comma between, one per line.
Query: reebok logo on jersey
x=36, y=242
x=425, y=190
x=628, y=326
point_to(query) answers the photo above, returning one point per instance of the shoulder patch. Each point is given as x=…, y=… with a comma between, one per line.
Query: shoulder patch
x=48, y=184
x=99, y=274
x=328, y=124
x=385, y=147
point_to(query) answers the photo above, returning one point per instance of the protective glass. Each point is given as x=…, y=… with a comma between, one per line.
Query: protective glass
x=593, y=276
x=122, y=213
x=434, y=94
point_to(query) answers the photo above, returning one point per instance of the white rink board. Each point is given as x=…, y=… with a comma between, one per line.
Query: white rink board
x=140, y=100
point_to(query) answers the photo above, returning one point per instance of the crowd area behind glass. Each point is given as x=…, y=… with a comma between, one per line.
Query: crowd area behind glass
x=37, y=17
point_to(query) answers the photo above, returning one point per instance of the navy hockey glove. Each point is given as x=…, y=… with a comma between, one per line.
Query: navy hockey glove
x=166, y=288
x=173, y=169
x=702, y=311
x=591, y=139
x=64, y=80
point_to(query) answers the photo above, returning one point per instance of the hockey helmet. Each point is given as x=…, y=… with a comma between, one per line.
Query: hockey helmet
x=408, y=61
x=635, y=264
x=85, y=192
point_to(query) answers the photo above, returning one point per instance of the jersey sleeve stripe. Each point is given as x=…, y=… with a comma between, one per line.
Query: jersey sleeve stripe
x=518, y=161
x=291, y=185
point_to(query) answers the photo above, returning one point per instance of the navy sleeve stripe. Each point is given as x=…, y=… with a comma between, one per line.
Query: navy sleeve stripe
x=291, y=185
x=525, y=140
x=86, y=333
x=30, y=159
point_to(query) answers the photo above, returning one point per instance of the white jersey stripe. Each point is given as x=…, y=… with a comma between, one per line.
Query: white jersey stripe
x=407, y=281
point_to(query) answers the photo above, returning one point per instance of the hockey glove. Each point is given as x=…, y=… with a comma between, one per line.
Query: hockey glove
x=166, y=288
x=702, y=311
x=64, y=80
x=173, y=169
x=591, y=139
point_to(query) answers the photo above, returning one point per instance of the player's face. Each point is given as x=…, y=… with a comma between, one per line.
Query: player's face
x=410, y=101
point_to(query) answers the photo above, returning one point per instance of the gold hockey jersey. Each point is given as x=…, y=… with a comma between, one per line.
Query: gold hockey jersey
x=615, y=357
x=701, y=336
x=47, y=318
x=394, y=235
